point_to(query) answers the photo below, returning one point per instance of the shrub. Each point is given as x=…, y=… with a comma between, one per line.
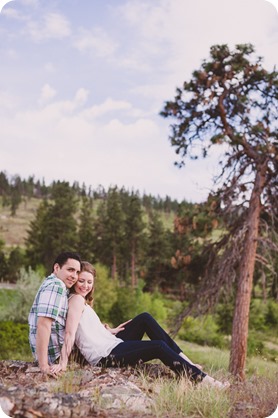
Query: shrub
x=131, y=302
x=203, y=331
x=105, y=294
x=224, y=317
x=271, y=315
x=257, y=315
x=255, y=344
x=14, y=343
x=27, y=287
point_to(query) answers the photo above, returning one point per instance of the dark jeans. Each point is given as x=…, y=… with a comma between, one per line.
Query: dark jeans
x=161, y=346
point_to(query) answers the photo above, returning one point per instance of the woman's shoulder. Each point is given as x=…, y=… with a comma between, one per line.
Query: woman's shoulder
x=76, y=299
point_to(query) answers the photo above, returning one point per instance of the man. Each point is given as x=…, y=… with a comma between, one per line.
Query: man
x=47, y=318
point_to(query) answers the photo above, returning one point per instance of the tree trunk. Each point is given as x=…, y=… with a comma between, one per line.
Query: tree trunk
x=114, y=266
x=264, y=286
x=133, y=276
x=245, y=281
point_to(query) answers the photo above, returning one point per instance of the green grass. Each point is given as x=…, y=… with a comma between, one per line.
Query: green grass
x=7, y=296
x=215, y=361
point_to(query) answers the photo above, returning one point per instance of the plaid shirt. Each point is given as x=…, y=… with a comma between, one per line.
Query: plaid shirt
x=51, y=301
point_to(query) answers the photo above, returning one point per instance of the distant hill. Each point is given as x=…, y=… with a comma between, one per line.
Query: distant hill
x=13, y=229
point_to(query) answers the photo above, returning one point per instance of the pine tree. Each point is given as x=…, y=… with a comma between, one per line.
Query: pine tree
x=158, y=252
x=55, y=228
x=86, y=236
x=134, y=232
x=232, y=100
x=114, y=228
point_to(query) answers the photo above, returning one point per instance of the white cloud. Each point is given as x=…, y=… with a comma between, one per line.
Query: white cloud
x=47, y=93
x=13, y=13
x=8, y=101
x=181, y=35
x=66, y=144
x=105, y=128
x=52, y=26
x=108, y=106
x=81, y=96
x=50, y=67
x=96, y=41
x=33, y=3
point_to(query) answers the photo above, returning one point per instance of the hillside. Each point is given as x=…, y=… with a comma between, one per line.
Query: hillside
x=13, y=229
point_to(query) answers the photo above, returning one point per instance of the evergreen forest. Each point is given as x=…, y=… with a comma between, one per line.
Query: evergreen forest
x=150, y=253
x=206, y=271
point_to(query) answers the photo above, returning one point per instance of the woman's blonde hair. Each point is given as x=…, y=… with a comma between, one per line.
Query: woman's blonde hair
x=89, y=268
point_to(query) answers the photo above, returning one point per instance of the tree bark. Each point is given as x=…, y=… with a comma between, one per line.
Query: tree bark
x=114, y=266
x=245, y=281
x=133, y=275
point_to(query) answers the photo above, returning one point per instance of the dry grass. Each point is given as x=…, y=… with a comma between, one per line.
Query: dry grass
x=257, y=397
x=13, y=229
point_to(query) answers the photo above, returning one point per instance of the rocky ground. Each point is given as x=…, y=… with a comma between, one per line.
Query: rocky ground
x=86, y=392
x=94, y=392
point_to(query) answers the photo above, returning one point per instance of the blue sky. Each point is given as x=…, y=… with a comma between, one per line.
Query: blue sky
x=83, y=81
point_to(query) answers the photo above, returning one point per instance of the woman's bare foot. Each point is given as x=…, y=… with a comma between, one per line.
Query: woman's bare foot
x=209, y=381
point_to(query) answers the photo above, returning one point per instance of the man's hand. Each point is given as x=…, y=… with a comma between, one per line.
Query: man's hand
x=53, y=370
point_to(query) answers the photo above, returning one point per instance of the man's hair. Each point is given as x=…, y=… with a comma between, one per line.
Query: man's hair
x=62, y=258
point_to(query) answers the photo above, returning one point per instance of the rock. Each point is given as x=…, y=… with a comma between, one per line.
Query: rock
x=6, y=405
x=81, y=392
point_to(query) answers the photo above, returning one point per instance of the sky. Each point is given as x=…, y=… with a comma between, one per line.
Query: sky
x=83, y=81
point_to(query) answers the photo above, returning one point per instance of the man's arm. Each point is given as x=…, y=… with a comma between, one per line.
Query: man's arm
x=42, y=340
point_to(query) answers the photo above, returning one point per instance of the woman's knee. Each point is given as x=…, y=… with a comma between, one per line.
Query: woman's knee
x=143, y=317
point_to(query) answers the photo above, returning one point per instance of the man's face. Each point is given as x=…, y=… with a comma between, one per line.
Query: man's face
x=68, y=273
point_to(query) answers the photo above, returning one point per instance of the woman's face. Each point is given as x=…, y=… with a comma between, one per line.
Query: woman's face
x=84, y=284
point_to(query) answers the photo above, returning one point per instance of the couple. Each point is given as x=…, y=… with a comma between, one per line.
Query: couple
x=57, y=321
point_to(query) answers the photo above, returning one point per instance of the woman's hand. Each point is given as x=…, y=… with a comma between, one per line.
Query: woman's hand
x=119, y=328
x=199, y=366
x=56, y=369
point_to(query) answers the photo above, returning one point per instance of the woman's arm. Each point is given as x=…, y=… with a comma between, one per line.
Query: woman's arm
x=119, y=328
x=76, y=307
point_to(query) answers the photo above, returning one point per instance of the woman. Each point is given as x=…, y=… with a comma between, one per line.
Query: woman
x=121, y=346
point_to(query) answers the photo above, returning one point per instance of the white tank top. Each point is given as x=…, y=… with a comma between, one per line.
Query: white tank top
x=92, y=338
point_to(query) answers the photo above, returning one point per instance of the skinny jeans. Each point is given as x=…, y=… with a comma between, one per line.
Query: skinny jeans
x=160, y=346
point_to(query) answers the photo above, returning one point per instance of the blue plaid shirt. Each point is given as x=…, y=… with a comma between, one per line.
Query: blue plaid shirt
x=51, y=301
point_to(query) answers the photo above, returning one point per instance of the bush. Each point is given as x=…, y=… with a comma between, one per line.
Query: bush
x=131, y=302
x=263, y=316
x=257, y=315
x=255, y=344
x=105, y=294
x=19, y=307
x=224, y=317
x=271, y=315
x=203, y=331
x=14, y=342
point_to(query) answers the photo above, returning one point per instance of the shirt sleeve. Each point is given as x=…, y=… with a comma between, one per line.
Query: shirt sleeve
x=50, y=301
